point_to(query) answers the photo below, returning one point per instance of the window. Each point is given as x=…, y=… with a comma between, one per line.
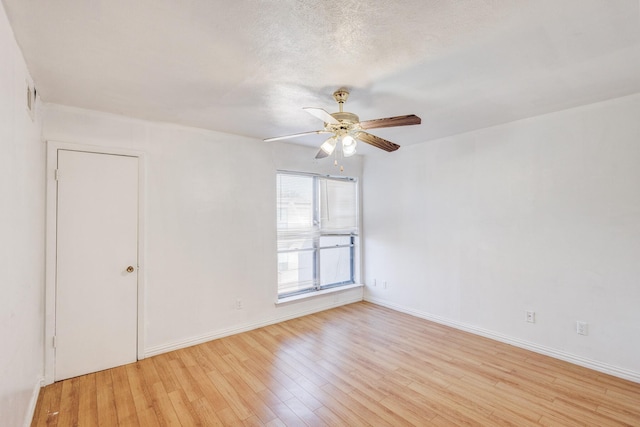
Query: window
x=317, y=232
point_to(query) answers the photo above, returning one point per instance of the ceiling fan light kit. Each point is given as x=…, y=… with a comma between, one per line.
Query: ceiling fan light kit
x=348, y=145
x=328, y=146
x=347, y=129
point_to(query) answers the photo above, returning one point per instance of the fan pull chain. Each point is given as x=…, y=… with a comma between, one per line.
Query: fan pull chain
x=335, y=160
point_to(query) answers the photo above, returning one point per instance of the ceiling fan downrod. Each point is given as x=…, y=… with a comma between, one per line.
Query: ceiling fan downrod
x=341, y=96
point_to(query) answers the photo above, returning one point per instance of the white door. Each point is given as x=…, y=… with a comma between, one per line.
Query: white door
x=96, y=267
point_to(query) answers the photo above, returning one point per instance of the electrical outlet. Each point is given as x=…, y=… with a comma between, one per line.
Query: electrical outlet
x=582, y=328
x=238, y=304
x=531, y=316
x=375, y=283
x=384, y=284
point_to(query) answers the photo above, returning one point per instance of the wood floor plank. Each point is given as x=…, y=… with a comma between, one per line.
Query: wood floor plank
x=231, y=395
x=88, y=401
x=228, y=417
x=276, y=423
x=165, y=372
x=185, y=380
x=356, y=365
x=146, y=417
x=125, y=406
x=329, y=417
x=281, y=411
x=577, y=411
x=139, y=390
x=629, y=415
x=250, y=398
x=148, y=373
x=183, y=409
x=51, y=405
x=69, y=414
x=107, y=414
x=206, y=412
x=305, y=414
x=368, y=414
x=247, y=377
x=165, y=413
x=274, y=379
x=212, y=395
x=252, y=421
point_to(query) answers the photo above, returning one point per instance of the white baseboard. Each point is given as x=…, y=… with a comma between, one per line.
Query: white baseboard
x=31, y=409
x=547, y=351
x=153, y=351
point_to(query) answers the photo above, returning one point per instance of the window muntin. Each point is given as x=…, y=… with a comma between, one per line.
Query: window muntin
x=317, y=224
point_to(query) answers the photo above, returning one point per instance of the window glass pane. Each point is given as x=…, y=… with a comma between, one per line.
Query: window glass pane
x=295, y=202
x=295, y=271
x=335, y=266
x=338, y=206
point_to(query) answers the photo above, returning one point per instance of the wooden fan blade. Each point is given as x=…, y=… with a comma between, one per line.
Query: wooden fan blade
x=322, y=115
x=321, y=154
x=411, y=119
x=295, y=135
x=376, y=141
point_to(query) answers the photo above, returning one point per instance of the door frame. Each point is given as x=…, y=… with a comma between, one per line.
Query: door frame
x=51, y=245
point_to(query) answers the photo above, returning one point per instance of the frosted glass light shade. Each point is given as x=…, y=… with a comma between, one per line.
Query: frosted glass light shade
x=329, y=145
x=348, y=146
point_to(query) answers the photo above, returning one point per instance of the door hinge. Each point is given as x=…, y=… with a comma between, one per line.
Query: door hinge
x=57, y=174
x=54, y=341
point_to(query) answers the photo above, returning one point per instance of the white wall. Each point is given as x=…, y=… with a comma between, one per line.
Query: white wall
x=22, y=158
x=540, y=214
x=210, y=223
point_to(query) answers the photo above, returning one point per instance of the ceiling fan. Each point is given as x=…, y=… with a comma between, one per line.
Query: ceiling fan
x=348, y=129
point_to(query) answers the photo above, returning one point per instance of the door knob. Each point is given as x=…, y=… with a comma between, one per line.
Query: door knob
x=130, y=269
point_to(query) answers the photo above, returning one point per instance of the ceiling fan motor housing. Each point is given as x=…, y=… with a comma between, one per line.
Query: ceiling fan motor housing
x=347, y=118
x=348, y=122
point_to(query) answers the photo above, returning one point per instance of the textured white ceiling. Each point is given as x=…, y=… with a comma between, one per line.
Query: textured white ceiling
x=248, y=66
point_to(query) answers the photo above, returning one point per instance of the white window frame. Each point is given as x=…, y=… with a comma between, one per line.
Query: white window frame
x=353, y=236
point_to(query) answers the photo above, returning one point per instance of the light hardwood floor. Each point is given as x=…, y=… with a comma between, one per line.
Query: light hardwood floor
x=356, y=365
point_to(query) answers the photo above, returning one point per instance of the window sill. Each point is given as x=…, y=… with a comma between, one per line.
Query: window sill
x=317, y=293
